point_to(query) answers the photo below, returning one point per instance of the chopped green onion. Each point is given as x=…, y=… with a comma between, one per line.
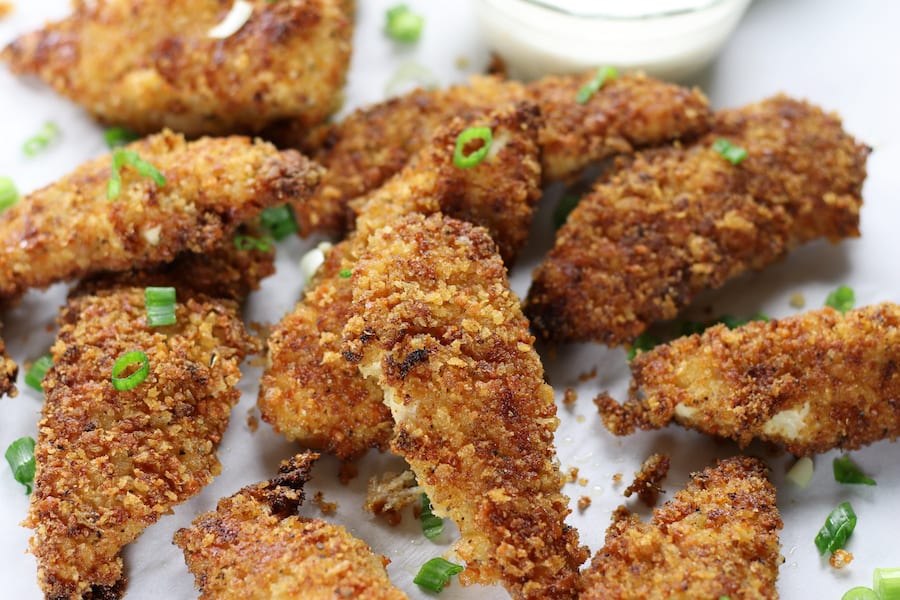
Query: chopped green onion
x=435, y=574
x=846, y=471
x=122, y=157
x=841, y=299
x=9, y=195
x=41, y=140
x=160, y=305
x=403, y=25
x=313, y=259
x=118, y=136
x=39, y=368
x=432, y=525
x=463, y=161
x=643, y=342
x=730, y=152
x=278, y=221
x=593, y=86
x=838, y=527
x=248, y=242
x=345, y=274
x=235, y=19
x=129, y=359
x=801, y=473
x=566, y=205
x=20, y=456
x=859, y=593
x=734, y=322
x=724, y=597
x=886, y=583
x=411, y=71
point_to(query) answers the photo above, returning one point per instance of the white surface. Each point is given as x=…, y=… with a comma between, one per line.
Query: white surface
x=842, y=55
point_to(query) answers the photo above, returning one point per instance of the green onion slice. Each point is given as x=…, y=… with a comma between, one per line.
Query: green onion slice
x=118, y=136
x=129, y=359
x=39, y=368
x=9, y=195
x=593, y=86
x=345, y=274
x=464, y=161
x=859, y=593
x=566, y=205
x=160, y=305
x=643, y=342
x=20, y=456
x=841, y=299
x=838, y=527
x=886, y=583
x=411, y=72
x=846, y=471
x=39, y=142
x=432, y=525
x=403, y=25
x=730, y=152
x=122, y=157
x=248, y=242
x=236, y=18
x=278, y=221
x=435, y=574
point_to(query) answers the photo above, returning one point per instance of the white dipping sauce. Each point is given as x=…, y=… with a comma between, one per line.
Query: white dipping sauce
x=670, y=39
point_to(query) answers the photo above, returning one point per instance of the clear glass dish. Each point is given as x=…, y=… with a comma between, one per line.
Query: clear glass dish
x=671, y=39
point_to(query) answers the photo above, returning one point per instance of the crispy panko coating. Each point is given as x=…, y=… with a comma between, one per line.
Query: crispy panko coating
x=150, y=65
x=375, y=142
x=717, y=537
x=327, y=404
x=647, y=481
x=70, y=229
x=226, y=272
x=812, y=382
x=9, y=370
x=110, y=463
x=679, y=220
x=437, y=326
x=254, y=545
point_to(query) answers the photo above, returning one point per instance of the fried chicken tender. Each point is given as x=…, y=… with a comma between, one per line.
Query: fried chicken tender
x=254, y=545
x=9, y=370
x=437, y=327
x=717, y=537
x=679, y=220
x=70, y=229
x=110, y=463
x=374, y=143
x=150, y=65
x=327, y=405
x=812, y=382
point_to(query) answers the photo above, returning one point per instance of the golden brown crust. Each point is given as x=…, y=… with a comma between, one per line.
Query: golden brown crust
x=9, y=370
x=69, y=229
x=647, y=481
x=683, y=219
x=110, y=463
x=717, y=537
x=150, y=65
x=436, y=324
x=327, y=405
x=255, y=546
x=812, y=382
x=374, y=143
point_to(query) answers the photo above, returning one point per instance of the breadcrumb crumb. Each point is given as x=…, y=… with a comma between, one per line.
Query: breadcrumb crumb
x=840, y=558
x=388, y=494
x=584, y=502
x=647, y=481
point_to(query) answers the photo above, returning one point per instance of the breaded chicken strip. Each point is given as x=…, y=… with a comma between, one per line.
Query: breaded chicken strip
x=9, y=370
x=811, y=383
x=110, y=463
x=327, y=404
x=70, y=229
x=375, y=142
x=255, y=546
x=677, y=221
x=717, y=537
x=437, y=326
x=150, y=65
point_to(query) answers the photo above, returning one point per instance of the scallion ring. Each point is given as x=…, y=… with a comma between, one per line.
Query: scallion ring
x=41, y=140
x=464, y=161
x=9, y=195
x=345, y=274
x=118, y=136
x=160, y=305
x=733, y=154
x=436, y=573
x=886, y=583
x=842, y=299
x=129, y=359
x=593, y=86
x=20, y=456
x=248, y=242
x=39, y=368
x=859, y=593
x=432, y=525
x=278, y=221
x=837, y=529
x=122, y=157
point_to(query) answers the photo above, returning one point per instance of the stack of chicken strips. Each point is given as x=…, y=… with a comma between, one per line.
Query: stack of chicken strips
x=408, y=338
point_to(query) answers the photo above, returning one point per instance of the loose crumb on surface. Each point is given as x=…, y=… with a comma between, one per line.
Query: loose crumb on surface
x=798, y=300
x=617, y=478
x=387, y=495
x=327, y=508
x=840, y=559
x=588, y=376
x=647, y=481
x=252, y=420
x=348, y=472
x=570, y=396
x=580, y=419
x=583, y=503
x=571, y=475
x=582, y=481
